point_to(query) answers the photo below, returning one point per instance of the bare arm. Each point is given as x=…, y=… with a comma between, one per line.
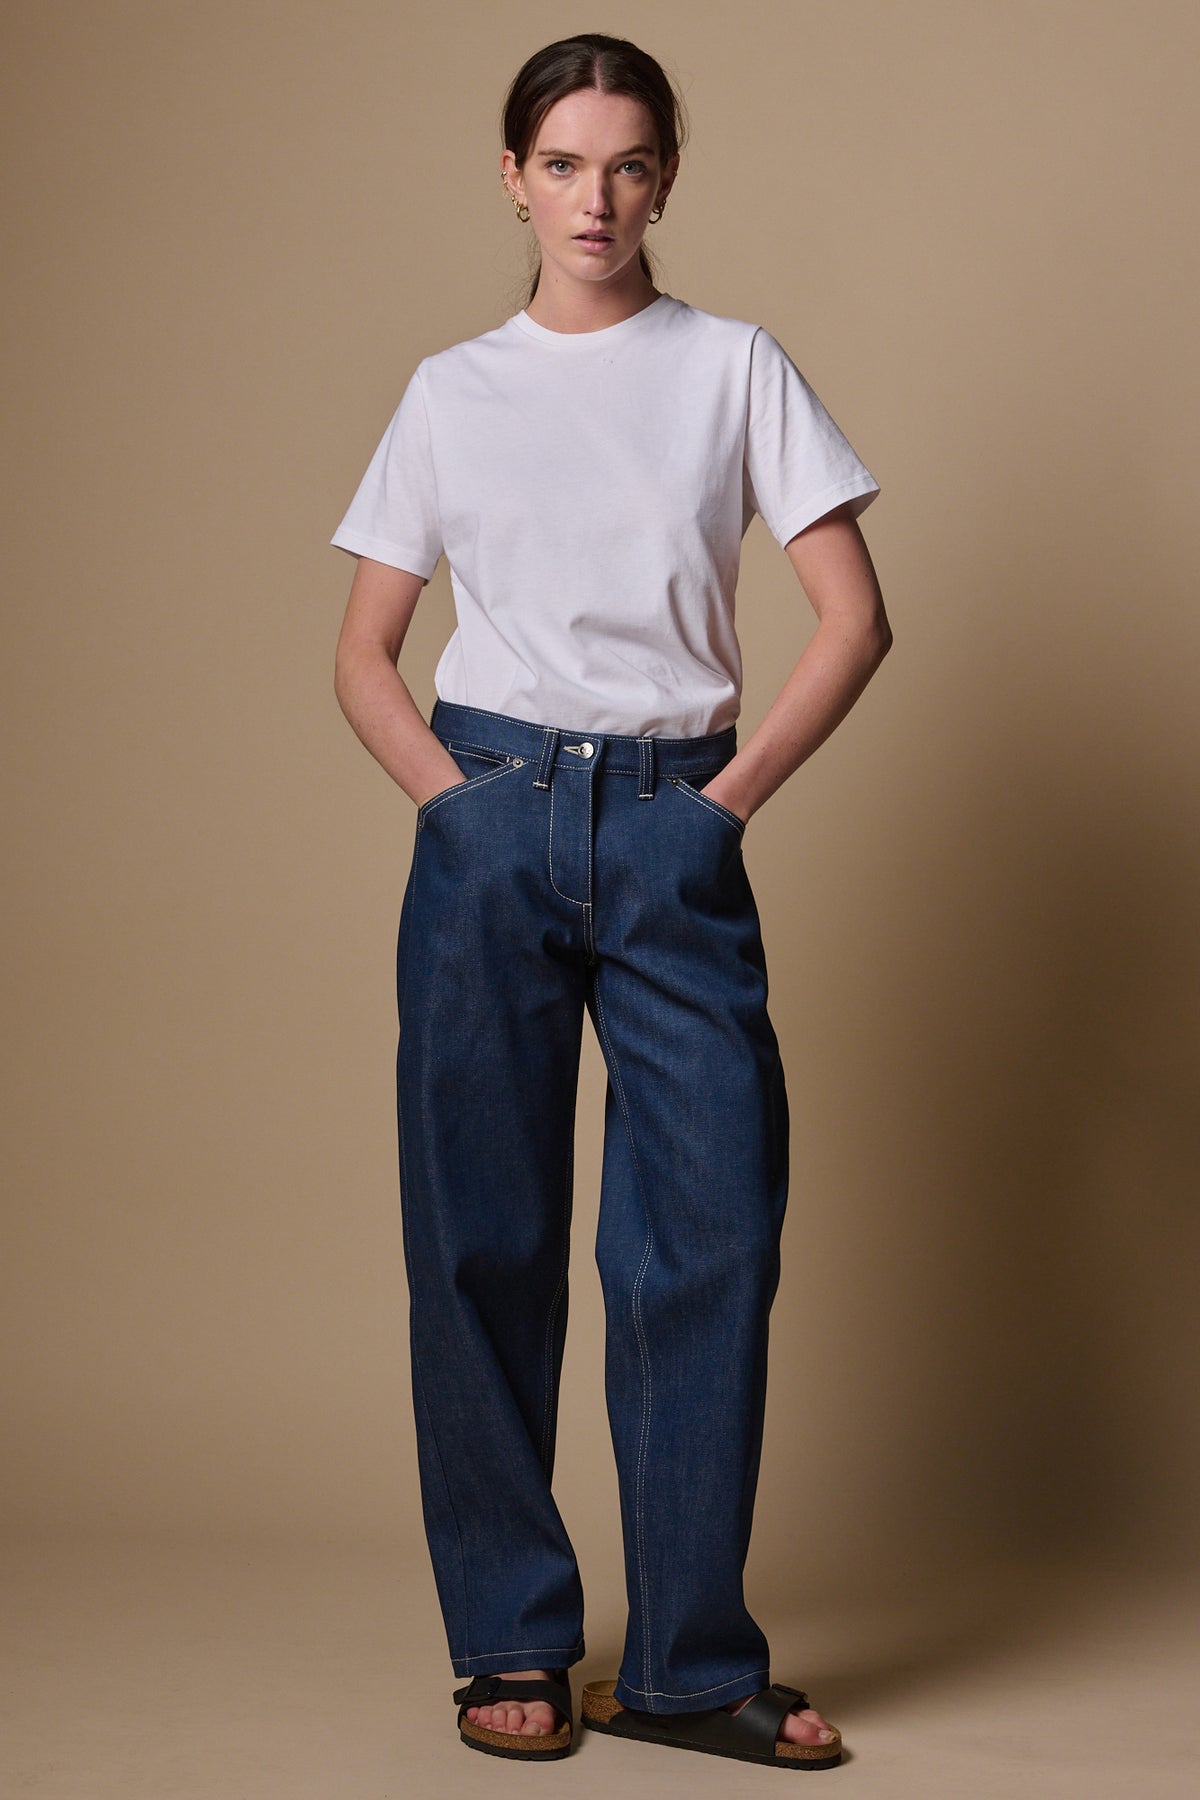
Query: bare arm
x=370, y=689
x=852, y=638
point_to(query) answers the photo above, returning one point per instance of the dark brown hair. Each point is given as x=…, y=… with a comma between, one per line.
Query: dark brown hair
x=591, y=60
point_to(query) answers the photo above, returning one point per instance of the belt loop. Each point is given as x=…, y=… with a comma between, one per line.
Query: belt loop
x=549, y=746
x=646, y=768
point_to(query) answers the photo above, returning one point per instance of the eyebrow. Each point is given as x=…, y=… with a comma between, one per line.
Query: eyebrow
x=574, y=156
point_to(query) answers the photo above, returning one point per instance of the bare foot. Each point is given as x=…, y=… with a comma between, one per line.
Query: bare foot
x=526, y=1718
x=807, y=1727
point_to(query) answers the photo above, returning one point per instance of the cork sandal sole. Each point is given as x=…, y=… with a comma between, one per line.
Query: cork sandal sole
x=545, y=1746
x=714, y=1732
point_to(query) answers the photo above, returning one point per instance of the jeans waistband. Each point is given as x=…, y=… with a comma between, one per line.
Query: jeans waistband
x=567, y=746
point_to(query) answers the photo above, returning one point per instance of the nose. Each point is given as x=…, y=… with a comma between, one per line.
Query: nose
x=597, y=207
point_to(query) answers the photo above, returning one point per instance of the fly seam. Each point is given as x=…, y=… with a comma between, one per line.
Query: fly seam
x=571, y=901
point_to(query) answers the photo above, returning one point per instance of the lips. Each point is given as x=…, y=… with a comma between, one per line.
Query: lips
x=595, y=237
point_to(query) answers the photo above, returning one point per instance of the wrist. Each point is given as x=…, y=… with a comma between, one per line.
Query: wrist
x=736, y=794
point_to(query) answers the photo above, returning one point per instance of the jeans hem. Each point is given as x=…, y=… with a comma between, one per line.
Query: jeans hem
x=733, y=1689
x=506, y=1660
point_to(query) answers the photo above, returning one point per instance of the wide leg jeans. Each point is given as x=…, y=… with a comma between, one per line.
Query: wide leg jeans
x=572, y=871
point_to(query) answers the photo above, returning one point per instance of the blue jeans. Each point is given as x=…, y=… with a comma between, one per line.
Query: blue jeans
x=577, y=870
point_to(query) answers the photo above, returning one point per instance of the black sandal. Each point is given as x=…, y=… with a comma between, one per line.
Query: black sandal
x=750, y=1734
x=526, y=1747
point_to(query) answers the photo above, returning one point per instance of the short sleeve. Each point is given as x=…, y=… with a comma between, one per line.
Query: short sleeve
x=394, y=516
x=798, y=465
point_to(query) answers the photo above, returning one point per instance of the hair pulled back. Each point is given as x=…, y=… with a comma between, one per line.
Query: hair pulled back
x=592, y=59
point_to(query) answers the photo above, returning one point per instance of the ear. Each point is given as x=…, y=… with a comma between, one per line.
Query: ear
x=511, y=175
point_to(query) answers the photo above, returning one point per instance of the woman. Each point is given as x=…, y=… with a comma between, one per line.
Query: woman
x=589, y=468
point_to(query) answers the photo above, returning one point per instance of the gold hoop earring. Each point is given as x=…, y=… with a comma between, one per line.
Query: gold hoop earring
x=656, y=216
x=523, y=216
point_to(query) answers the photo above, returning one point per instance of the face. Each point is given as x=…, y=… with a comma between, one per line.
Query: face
x=594, y=168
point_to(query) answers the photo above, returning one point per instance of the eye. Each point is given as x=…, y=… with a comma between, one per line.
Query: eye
x=554, y=163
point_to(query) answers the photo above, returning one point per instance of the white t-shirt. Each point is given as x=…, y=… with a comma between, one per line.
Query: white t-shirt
x=590, y=491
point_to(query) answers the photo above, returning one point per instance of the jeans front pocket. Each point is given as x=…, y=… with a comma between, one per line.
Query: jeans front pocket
x=706, y=800
x=479, y=766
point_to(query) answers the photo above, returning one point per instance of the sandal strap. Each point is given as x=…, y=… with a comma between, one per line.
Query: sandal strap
x=752, y=1730
x=481, y=1690
x=764, y=1713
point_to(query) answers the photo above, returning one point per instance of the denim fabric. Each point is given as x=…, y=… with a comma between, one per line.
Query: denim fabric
x=571, y=871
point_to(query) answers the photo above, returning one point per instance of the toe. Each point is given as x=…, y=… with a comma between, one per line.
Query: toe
x=515, y=1718
x=806, y=1727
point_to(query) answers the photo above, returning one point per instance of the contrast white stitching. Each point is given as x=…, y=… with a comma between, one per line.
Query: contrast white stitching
x=722, y=812
x=569, y=898
x=405, y=1188
x=568, y=1189
x=588, y=933
x=546, y=1650
x=481, y=749
x=662, y=1694
x=648, y=1400
x=460, y=787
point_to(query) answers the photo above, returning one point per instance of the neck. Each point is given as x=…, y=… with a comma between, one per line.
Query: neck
x=584, y=306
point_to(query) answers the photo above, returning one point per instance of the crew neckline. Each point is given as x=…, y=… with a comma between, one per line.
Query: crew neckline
x=580, y=340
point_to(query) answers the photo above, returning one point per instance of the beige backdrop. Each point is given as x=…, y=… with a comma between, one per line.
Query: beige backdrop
x=233, y=232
